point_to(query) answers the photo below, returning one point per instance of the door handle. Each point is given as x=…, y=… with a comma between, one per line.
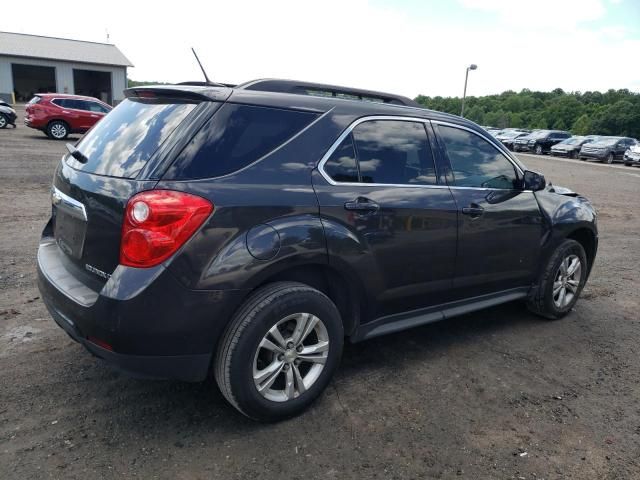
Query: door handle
x=474, y=210
x=362, y=204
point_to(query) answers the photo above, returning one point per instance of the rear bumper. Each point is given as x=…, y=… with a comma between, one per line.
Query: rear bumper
x=33, y=123
x=143, y=321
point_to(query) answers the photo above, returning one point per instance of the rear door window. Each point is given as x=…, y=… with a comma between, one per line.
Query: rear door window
x=236, y=136
x=123, y=141
x=394, y=152
x=341, y=165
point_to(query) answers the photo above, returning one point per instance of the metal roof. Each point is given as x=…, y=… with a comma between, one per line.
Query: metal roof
x=52, y=48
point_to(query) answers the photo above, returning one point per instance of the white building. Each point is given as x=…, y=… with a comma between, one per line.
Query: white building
x=33, y=64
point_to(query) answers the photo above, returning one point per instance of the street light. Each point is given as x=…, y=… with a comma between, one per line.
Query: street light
x=473, y=66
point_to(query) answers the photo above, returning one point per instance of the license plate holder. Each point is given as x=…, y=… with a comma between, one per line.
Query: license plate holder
x=69, y=224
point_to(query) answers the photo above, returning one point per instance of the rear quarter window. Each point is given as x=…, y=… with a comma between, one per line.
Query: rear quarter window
x=236, y=136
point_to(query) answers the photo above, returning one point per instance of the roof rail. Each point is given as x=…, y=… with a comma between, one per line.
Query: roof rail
x=322, y=90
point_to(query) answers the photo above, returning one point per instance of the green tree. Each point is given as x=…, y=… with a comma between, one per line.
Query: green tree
x=615, y=112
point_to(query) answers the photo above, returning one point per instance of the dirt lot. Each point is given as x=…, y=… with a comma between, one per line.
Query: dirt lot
x=497, y=394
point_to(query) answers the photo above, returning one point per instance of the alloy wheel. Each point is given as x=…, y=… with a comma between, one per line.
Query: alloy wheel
x=610, y=158
x=290, y=357
x=539, y=150
x=3, y=121
x=58, y=131
x=567, y=281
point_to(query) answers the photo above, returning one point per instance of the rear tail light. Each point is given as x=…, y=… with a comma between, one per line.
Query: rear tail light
x=157, y=223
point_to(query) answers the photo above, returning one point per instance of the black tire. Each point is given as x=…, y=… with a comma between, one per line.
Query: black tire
x=573, y=154
x=236, y=352
x=4, y=121
x=542, y=302
x=610, y=158
x=58, y=130
x=538, y=150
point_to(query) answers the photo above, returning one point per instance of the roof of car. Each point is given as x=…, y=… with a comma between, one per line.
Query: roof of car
x=302, y=101
x=67, y=95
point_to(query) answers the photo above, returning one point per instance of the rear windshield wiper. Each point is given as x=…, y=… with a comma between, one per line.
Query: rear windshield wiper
x=77, y=154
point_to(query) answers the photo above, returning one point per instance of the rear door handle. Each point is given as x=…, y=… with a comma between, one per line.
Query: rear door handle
x=473, y=210
x=362, y=204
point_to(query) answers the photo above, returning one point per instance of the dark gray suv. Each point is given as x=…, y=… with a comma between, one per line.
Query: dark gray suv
x=245, y=232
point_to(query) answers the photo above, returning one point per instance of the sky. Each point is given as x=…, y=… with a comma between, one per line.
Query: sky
x=408, y=47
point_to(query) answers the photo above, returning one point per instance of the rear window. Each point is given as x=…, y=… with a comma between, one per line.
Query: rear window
x=124, y=140
x=34, y=100
x=236, y=136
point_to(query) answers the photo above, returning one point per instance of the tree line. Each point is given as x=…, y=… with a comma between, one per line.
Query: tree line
x=615, y=112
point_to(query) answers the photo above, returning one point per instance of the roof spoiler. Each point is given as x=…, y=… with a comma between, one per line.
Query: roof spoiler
x=323, y=90
x=197, y=93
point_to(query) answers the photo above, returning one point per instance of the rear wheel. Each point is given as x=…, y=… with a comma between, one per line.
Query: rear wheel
x=561, y=282
x=3, y=121
x=280, y=351
x=610, y=158
x=57, y=130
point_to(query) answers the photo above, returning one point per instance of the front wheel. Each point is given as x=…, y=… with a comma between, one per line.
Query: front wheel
x=538, y=150
x=279, y=351
x=610, y=158
x=574, y=154
x=561, y=281
x=3, y=121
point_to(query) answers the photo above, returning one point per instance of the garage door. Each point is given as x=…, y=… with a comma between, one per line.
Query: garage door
x=31, y=79
x=93, y=83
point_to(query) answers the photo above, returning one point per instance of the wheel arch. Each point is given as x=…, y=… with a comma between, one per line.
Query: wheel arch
x=344, y=292
x=587, y=238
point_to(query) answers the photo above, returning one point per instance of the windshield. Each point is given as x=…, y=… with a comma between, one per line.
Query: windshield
x=125, y=139
x=605, y=142
x=540, y=134
x=513, y=134
x=571, y=141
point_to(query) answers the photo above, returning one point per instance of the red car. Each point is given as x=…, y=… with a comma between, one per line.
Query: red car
x=59, y=114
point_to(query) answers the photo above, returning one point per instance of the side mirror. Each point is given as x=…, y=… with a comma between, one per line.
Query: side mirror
x=534, y=181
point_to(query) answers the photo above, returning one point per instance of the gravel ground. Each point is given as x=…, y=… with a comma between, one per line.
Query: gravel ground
x=496, y=394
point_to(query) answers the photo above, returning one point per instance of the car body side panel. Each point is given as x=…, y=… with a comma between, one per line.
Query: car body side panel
x=501, y=248
x=564, y=215
x=405, y=252
x=274, y=192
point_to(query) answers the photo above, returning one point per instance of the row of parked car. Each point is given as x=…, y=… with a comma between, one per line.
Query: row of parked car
x=558, y=143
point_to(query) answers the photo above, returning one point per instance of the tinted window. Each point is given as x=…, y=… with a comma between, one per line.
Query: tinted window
x=394, y=152
x=236, y=136
x=75, y=104
x=475, y=162
x=341, y=166
x=61, y=102
x=122, y=142
x=96, y=107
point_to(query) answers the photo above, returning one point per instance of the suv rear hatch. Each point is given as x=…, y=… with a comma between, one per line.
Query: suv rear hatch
x=123, y=154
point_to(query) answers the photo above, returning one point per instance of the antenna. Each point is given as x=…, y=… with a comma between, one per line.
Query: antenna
x=201, y=67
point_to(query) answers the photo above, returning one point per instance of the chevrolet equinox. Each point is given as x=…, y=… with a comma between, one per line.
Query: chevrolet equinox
x=244, y=232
